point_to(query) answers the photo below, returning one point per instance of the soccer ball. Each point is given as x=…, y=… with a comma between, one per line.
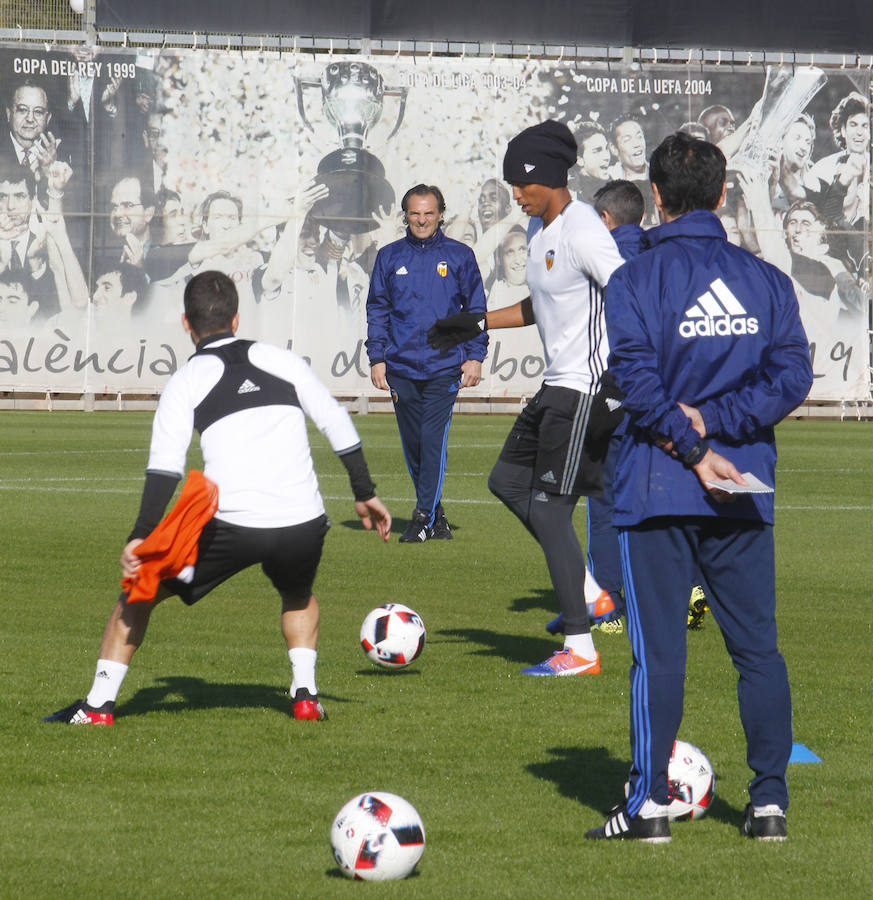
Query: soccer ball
x=692, y=782
x=377, y=836
x=393, y=635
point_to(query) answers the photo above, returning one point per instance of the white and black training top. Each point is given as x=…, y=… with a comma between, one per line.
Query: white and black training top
x=249, y=401
x=568, y=265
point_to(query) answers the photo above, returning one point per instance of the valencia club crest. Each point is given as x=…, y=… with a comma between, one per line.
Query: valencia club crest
x=550, y=260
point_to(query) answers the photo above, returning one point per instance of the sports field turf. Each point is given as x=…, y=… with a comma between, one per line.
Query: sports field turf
x=206, y=788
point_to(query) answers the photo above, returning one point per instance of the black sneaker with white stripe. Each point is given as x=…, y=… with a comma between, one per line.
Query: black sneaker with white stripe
x=417, y=531
x=80, y=713
x=765, y=823
x=620, y=826
x=440, y=530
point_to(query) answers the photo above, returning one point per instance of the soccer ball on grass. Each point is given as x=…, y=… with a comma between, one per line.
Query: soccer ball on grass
x=393, y=635
x=692, y=782
x=377, y=836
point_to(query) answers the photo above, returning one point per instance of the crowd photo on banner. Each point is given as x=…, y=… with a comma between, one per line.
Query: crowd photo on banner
x=124, y=173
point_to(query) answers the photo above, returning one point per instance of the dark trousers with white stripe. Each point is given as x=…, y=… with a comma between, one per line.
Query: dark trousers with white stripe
x=604, y=559
x=423, y=408
x=543, y=468
x=737, y=560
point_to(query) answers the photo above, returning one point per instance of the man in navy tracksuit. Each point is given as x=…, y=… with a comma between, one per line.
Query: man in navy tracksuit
x=622, y=206
x=707, y=345
x=420, y=278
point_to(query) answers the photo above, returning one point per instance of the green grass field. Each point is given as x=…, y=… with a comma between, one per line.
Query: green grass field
x=205, y=786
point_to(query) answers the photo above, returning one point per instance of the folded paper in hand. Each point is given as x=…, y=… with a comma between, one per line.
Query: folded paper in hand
x=754, y=486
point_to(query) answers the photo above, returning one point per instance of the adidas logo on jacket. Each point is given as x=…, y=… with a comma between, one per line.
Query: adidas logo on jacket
x=717, y=313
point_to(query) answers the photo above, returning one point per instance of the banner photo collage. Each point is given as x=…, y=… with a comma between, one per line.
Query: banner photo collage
x=124, y=173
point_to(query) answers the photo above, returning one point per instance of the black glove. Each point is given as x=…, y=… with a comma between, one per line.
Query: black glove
x=453, y=330
x=607, y=410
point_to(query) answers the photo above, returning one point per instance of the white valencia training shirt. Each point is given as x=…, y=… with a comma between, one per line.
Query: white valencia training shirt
x=259, y=457
x=568, y=265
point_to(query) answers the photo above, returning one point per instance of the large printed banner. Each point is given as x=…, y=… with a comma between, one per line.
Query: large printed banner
x=122, y=174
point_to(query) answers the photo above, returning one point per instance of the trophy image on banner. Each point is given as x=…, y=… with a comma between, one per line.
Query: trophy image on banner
x=352, y=95
x=784, y=98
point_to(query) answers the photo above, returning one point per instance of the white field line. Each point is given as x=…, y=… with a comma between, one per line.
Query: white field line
x=10, y=453
x=454, y=474
x=95, y=484
x=88, y=485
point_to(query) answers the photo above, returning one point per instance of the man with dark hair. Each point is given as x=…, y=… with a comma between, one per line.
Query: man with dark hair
x=848, y=135
x=629, y=146
x=120, y=287
x=22, y=248
x=493, y=205
x=171, y=239
x=16, y=307
x=156, y=152
x=707, y=345
x=493, y=208
x=833, y=304
x=844, y=177
x=415, y=281
x=553, y=454
x=718, y=121
x=249, y=402
x=621, y=205
x=594, y=161
x=131, y=208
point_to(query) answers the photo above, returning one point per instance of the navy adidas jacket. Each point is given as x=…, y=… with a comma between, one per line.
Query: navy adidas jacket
x=413, y=284
x=701, y=321
x=630, y=239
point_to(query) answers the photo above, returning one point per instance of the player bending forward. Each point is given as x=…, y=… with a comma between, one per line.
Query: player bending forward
x=247, y=400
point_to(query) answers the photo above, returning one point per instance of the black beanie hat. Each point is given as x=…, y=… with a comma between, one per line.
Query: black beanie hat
x=541, y=154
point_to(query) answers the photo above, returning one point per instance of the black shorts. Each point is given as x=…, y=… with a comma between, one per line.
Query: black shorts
x=289, y=557
x=550, y=435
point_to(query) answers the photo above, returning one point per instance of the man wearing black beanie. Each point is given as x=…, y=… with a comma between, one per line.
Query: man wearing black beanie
x=556, y=448
x=541, y=154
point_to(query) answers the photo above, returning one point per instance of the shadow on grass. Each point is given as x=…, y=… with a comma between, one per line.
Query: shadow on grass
x=398, y=526
x=337, y=872
x=724, y=812
x=588, y=775
x=540, y=598
x=356, y=525
x=511, y=647
x=389, y=673
x=183, y=694
x=592, y=777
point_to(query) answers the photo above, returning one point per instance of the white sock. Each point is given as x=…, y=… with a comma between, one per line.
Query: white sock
x=652, y=810
x=590, y=588
x=581, y=644
x=107, y=682
x=302, y=669
x=771, y=809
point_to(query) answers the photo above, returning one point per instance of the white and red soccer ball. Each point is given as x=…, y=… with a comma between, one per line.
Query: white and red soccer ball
x=692, y=782
x=377, y=836
x=393, y=635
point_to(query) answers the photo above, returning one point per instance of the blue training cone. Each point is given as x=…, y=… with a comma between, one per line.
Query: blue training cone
x=802, y=754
